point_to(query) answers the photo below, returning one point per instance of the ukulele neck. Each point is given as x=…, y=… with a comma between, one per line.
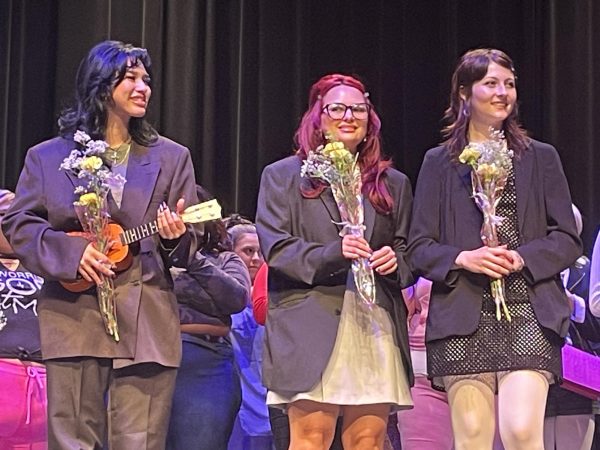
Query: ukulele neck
x=138, y=233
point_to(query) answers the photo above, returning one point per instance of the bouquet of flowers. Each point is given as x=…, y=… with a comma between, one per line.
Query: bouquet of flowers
x=490, y=161
x=92, y=210
x=334, y=164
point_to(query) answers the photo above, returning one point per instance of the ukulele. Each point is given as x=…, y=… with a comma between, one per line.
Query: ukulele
x=119, y=254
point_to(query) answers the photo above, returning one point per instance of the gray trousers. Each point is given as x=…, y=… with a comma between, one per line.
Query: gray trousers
x=90, y=404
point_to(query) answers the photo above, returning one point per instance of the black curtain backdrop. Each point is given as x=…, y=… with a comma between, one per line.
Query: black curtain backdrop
x=232, y=77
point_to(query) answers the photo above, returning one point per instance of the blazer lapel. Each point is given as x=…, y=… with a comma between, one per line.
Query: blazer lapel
x=331, y=206
x=369, y=218
x=334, y=212
x=464, y=173
x=523, y=172
x=142, y=172
x=73, y=179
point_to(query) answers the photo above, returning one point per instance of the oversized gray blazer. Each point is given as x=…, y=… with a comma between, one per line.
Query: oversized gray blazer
x=42, y=212
x=446, y=221
x=307, y=273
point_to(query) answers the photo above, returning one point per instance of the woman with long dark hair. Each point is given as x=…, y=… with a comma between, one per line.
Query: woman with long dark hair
x=316, y=322
x=470, y=353
x=86, y=366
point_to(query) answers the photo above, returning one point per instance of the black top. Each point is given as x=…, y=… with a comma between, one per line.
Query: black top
x=19, y=328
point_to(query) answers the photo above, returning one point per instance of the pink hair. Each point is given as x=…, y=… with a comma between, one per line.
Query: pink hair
x=371, y=161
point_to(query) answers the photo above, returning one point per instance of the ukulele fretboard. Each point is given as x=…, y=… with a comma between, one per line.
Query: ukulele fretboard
x=135, y=234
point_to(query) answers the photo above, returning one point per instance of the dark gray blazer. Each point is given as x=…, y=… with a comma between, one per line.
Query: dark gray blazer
x=36, y=226
x=307, y=272
x=446, y=221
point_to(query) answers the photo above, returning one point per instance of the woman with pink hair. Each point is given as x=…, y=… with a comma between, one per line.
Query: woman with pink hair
x=327, y=353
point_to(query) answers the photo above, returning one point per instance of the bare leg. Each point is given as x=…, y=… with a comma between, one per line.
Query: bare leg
x=365, y=426
x=312, y=425
x=472, y=413
x=521, y=406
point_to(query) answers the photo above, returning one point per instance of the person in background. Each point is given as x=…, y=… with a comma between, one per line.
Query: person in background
x=252, y=430
x=316, y=319
x=22, y=373
x=594, y=298
x=470, y=353
x=101, y=391
x=427, y=426
x=593, y=304
x=207, y=394
x=569, y=422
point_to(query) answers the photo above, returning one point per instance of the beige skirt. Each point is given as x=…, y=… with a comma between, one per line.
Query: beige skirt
x=365, y=366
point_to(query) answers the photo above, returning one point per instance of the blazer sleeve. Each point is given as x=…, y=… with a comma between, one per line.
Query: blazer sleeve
x=183, y=185
x=547, y=256
x=215, y=287
x=428, y=257
x=403, y=208
x=286, y=253
x=48, y=252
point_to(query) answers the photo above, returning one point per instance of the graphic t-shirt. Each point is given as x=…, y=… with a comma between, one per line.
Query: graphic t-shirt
x=19, y=328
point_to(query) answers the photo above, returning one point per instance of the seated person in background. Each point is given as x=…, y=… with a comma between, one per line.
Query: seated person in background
x=252, y=430
x=569, y=422
x=207, y=391
x=22, y=375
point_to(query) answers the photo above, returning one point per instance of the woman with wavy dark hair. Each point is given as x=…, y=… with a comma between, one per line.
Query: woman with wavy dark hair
x=470, y=353
x=85, y=365
x=316, y=323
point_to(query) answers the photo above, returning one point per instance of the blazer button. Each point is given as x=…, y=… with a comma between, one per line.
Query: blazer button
x=338, y=312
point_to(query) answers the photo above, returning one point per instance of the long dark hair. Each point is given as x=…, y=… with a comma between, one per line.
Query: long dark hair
x=216, y=238
x=472, y=67
x=372, y=163
x=99, y=73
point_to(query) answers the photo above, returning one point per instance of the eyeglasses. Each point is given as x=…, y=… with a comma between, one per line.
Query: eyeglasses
x=337, y=111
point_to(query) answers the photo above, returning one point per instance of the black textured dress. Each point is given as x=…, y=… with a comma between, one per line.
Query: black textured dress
x=500, y=345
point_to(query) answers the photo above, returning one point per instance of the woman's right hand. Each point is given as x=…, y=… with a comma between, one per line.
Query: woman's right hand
x=354, y=247
x=94, y=265
x=495, y=262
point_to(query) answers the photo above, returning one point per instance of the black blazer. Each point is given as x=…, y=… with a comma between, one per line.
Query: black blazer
x=446, y=221
x=307, y=272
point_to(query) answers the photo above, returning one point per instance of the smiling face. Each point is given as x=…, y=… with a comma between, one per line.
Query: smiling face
x=348, y=129
x=493, y=97
x=130, y=97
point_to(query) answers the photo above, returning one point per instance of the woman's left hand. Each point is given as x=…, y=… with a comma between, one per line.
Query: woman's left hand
x=384, y=261
x=170, y=225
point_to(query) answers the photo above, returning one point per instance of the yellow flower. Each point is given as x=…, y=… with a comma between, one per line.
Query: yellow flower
x=336, y=151
x=469, y=155
x=332, y=147
x=91, y=163
x=90, y=200
x=487, y=171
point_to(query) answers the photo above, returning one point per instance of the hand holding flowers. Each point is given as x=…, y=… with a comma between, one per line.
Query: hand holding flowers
x=334, y=164
x=490, y=162
x=92, y=210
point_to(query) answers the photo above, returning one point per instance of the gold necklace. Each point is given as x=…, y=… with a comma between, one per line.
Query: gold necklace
x=118, y=155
